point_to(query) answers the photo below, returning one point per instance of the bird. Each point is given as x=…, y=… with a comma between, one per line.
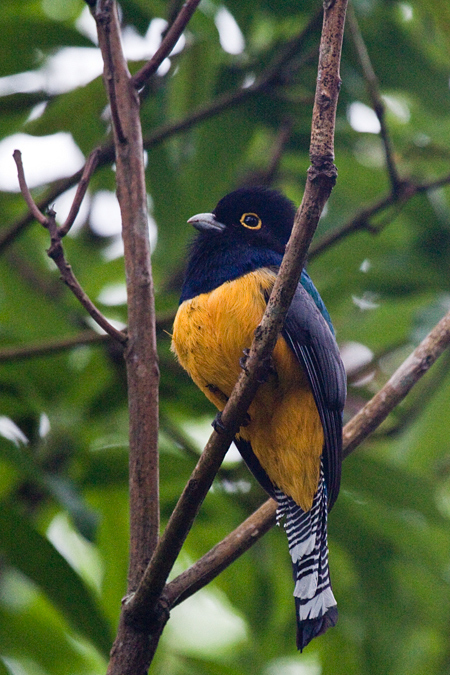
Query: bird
x=291, y=439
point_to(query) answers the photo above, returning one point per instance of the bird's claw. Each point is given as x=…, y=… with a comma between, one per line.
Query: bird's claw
x=217, y=424
x=243, y=360
x=220, y=428
x=267, y=369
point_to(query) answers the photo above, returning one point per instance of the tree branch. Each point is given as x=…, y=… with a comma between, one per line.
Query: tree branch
x=169, y=42
x=130, y=652
x=361, y=221
x=9, y=354
x=355, y=432
x=222, y=555
x=398, y=386
x=88, y=170
x=321, y=178
x=56, y=253
x=34, y=210
x=374, y=93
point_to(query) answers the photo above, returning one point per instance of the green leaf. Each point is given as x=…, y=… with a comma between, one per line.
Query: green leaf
x=31, y=553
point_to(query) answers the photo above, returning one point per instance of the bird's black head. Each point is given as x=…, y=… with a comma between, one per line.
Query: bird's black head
x=255, y=215
x=247, y=230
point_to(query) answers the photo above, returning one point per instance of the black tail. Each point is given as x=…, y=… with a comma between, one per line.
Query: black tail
x=307, y=537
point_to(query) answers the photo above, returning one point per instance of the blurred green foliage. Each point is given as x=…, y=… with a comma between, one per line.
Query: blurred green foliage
x=63, y=416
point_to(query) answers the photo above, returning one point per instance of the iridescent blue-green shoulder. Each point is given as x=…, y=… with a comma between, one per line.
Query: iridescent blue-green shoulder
x=308, y=285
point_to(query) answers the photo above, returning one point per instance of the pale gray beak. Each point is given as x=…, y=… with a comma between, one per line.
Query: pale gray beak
x=206, y=222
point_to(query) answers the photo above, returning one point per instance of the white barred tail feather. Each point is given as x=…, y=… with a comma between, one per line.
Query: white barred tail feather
x=316, y=609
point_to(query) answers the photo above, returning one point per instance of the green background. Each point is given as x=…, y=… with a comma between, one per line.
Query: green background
x=63, y=466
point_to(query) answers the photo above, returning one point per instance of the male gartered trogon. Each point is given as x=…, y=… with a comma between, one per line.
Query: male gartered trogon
x=292, y=438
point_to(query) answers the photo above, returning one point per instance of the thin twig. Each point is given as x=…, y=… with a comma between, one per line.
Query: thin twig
x=34, y=210
x=362, y=219
x=398, y=386
x=374, y=93
x=56, y=253
x=8, y=354
x=169, y=42
x=28, y=351
x=88, y=170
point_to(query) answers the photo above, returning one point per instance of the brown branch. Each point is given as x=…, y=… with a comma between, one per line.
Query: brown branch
x=222, y=555
x=163, y=321
x=34, y=210
x=56, y=253
x=10, y=234
x=408, y=415
x=321, y=178
x=374, y=93
x=361, y=221
x=130, y=652
x=358, y=429
x=8, y=354
x=88, y=170
x=169, y=42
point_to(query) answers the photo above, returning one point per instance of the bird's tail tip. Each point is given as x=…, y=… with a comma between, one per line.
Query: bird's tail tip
x=308, y=629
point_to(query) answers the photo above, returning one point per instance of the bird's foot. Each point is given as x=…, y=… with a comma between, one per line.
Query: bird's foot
x=267, y=366
x=217, y=424
x=220, y=428
x=243, y=360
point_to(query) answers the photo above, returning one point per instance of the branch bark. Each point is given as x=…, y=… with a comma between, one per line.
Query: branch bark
x=361, y=221
x=169, y=42
x=130, y=651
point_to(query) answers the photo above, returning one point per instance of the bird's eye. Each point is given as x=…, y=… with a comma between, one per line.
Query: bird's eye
x=251, y=220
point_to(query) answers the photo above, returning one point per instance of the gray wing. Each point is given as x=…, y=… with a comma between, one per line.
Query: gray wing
x=310, y=338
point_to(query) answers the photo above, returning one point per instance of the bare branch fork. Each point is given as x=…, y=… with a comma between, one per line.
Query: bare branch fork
x=56, y=252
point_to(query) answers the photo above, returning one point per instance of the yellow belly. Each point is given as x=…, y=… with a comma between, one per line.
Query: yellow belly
x=209, y=335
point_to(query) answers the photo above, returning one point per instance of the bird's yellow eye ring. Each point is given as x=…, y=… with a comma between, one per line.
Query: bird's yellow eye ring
x=251, y=221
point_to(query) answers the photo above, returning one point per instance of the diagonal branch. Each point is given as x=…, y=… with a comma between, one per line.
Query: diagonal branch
x=355, y=432
x=88, y=170
x=169, y=42
x=398, y=386
x=374, y=93
x=34, y=209
x=361, y=221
